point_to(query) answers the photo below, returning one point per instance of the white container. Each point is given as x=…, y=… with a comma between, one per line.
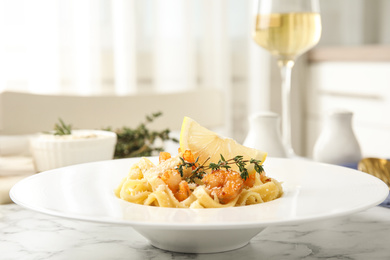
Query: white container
x=54, y=151
x=264, y=134
x=337, y=143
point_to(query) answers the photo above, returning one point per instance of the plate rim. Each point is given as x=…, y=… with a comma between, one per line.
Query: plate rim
x=196, y=225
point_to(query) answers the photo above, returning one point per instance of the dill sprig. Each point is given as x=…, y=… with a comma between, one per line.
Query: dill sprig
x=199, y=170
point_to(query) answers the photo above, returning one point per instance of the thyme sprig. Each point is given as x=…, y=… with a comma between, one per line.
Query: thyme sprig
x=140, y=141
x=199, y=170
x=131, y=142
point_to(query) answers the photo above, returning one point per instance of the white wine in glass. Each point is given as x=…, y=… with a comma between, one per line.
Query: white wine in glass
x=287, y=29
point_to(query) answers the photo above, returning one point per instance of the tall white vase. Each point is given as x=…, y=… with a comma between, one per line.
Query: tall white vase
x=264, y=134
x=337, y=143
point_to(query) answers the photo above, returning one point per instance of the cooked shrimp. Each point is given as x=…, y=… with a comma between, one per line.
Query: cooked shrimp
x=226, y=185
x=172, y=179
x=179, y=188
x=250, y=181
x=188, y=157
x=164, y=156
x=184, y=191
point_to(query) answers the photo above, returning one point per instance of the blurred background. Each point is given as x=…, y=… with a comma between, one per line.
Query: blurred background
x=133, y=47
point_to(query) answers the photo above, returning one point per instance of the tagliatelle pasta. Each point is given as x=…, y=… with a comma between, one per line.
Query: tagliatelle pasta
x=162, y=185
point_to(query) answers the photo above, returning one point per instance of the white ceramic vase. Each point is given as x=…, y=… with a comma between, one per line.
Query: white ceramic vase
x=337, y=143
x=264, y=134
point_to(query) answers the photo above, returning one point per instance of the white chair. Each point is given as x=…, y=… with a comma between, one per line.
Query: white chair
x=23, y=113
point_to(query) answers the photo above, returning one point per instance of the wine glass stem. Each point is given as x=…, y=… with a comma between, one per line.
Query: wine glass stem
x=285, y=70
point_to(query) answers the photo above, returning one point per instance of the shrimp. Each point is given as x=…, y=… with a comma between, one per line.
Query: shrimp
x=188, y=157
x=179, y=187
x=172, y=179
x=226, y=185
x=250, y=181
x=183, y=192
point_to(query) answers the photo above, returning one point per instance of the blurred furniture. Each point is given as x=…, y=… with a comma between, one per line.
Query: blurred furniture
x=356, y=79
x=25, y=114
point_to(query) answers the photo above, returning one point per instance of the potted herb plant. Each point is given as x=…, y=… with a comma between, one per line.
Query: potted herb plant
x=64, y=146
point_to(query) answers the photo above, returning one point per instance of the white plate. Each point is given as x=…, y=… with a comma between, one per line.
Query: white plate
x=312, y=191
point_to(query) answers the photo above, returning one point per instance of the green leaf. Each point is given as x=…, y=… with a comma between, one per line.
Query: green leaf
x=140, y=141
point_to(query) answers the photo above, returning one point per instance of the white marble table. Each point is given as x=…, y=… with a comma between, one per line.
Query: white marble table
x=25, y=234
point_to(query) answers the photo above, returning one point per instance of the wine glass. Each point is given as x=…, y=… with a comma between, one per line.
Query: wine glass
x=287, y=29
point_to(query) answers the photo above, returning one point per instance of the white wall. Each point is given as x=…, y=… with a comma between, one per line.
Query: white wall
x=355, y=22
x=361, y=87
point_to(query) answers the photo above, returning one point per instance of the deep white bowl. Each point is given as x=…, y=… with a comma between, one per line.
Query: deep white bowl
x=53, y=151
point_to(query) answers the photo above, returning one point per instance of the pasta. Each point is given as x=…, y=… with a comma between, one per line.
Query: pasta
x=169, y=185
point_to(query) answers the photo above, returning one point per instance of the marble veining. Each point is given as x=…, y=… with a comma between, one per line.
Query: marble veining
x=25, y=234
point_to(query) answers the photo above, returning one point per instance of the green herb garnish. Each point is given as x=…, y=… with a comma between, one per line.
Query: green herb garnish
x=140, y=141
x=200, y=170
